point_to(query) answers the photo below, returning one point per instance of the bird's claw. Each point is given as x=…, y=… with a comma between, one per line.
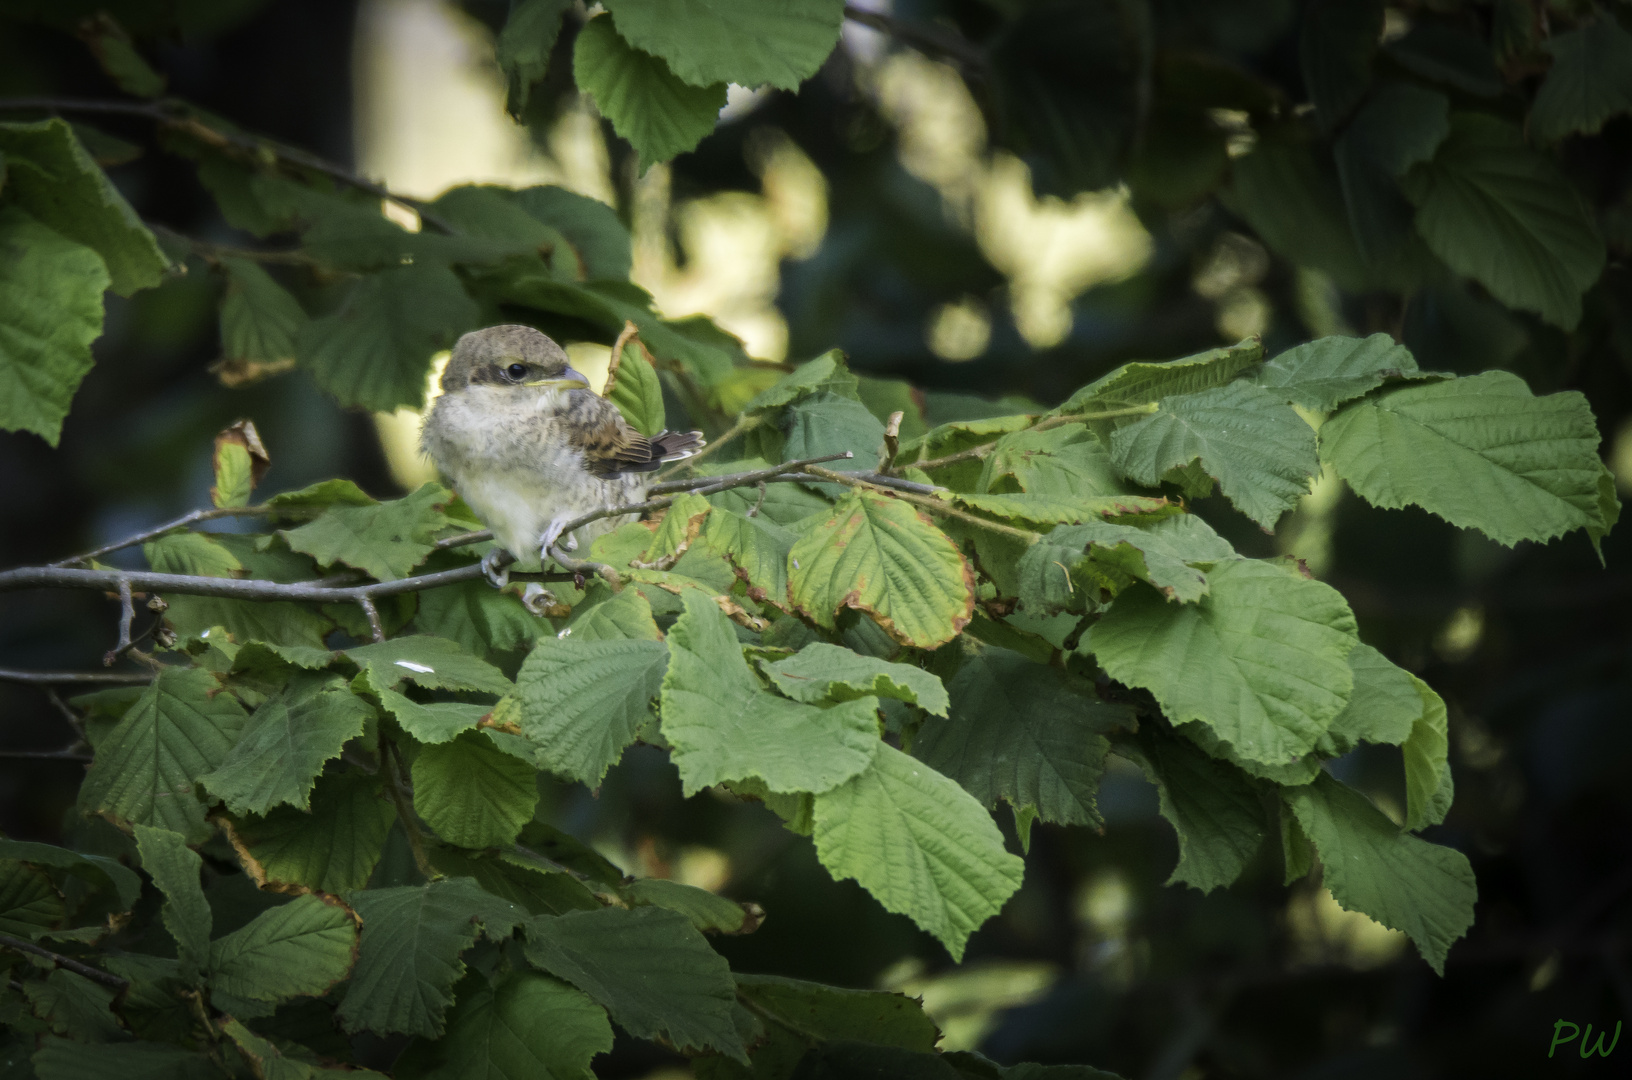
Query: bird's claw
x=538, y=599
x=497, y=576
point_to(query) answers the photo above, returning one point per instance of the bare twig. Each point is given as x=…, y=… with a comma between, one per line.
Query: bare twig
x=461, y=539
x=69, y=754
x=396, y=782
x=892, y=443
x=216, y=252
x=372, y=613
x=74, y=720
x=102, y=678
x=179, y=115
x=933, y=505
x=759, y=503
x=66, y=962
x=325, y=591
x=159, y=530
x=586, y=566
x=127, y=615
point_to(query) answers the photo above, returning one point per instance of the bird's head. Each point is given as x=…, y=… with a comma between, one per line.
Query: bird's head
x=510, y=356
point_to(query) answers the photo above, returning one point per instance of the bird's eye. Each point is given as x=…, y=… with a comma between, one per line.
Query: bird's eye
x=517, y=372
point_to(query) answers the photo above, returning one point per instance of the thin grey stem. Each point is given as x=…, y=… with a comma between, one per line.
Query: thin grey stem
x=127, y=615
x=373, y=614
x=67, y=962
x=62, y=678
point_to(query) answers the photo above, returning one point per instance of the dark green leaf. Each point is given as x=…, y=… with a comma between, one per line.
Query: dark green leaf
x=1258, y=449
x=723, y=726
x=386, y=540
x=648, y=104
x=649, y=967
x=260, y=321
x=525, y=1026
x=375, y=349
x=1590, y=81
x=583, y=701
x=1504, y=215
x=49, y=174
x=408, y=957
x=1021, y=732
x=60, y=1059
x=285, y=745
x=525, y=45
x=432, y=662
x=594, y=229
x=297, y=949
x=174, y=868
x=1335, y=50
x=1401, y=126
x=50, y=312
x=707, y=911
x=1213, y=807
x=29, y=903
x=145, y=768
x=472, y=793
x=747, y=42
x=333, y=848
x=1449, y=55
x=1405, y=883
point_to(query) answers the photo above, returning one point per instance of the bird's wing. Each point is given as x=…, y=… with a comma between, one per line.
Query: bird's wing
x=611, y=447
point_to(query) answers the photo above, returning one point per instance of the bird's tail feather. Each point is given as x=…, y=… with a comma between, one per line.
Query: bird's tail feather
x=675, y=445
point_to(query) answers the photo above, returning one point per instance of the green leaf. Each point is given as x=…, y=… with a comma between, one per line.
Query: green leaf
x=879, y=555
x=472, y=793
x=29, y=903
x=1215, y=809
x=593, y=228
x=1066, y=463
x=60, y=1059
x=722, y=726
x=796, y=1013
x=1324, y=373
x=660, y=115
x=525, y=45
x=478, y=617
x=432, y=662
x=535, y=882
x=636, y=391
x=1036, y=509
x=191, y=553
x=408, y=958
x=430, y=722
x=1428, y=787
x=99, y=872
x=375, y=349
x=1383, y=708
x=1450, y=55
x=584, y=701
x=174, y=868
x=1403, y=882
x=1481, y=452
x=332, y=849
x=1400, y=126
x=820, y=671
x=825, y=423
x=707, y=911
x=280, y=623
x=1505, y=216
x=525, y=1026
x=649, y=967
x=923, y=846
x=298, y=949
x=1258, y=449
x=49, y=175
x=1103, y=555
x=1261, y=661
x=386, y=540
x=74, y=1005
x=612, y=616
x=757, y=548
x=1142, y=383
x=1335, y=50
x=50, y=312
x=309, y=500
x=1019, y=731
x=285, y=745
x=260, y=321
x=145, y=768
x=747, y=42
x=1590, y=80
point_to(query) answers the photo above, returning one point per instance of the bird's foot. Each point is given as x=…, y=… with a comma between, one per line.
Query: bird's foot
x=496, y=575
x=538, y=599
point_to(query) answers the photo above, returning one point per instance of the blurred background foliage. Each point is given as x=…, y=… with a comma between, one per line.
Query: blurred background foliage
x=1000, y=199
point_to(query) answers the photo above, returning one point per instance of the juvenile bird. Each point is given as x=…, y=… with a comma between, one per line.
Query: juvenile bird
x=530, y=446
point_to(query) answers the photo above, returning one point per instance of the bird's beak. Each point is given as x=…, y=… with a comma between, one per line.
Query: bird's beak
x=571, y=379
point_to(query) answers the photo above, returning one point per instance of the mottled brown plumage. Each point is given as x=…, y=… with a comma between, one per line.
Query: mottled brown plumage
x=530, y=447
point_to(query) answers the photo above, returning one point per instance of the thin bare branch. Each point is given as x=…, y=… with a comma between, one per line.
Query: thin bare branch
x=66, y=962
x=69, y=754
x=127, y=615
x=1042, y=425
x=372, y=613
x=64, y=678
x=178, y=114
x=934, y=506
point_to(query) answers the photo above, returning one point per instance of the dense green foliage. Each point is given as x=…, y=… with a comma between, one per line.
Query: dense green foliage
x=880, y=667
